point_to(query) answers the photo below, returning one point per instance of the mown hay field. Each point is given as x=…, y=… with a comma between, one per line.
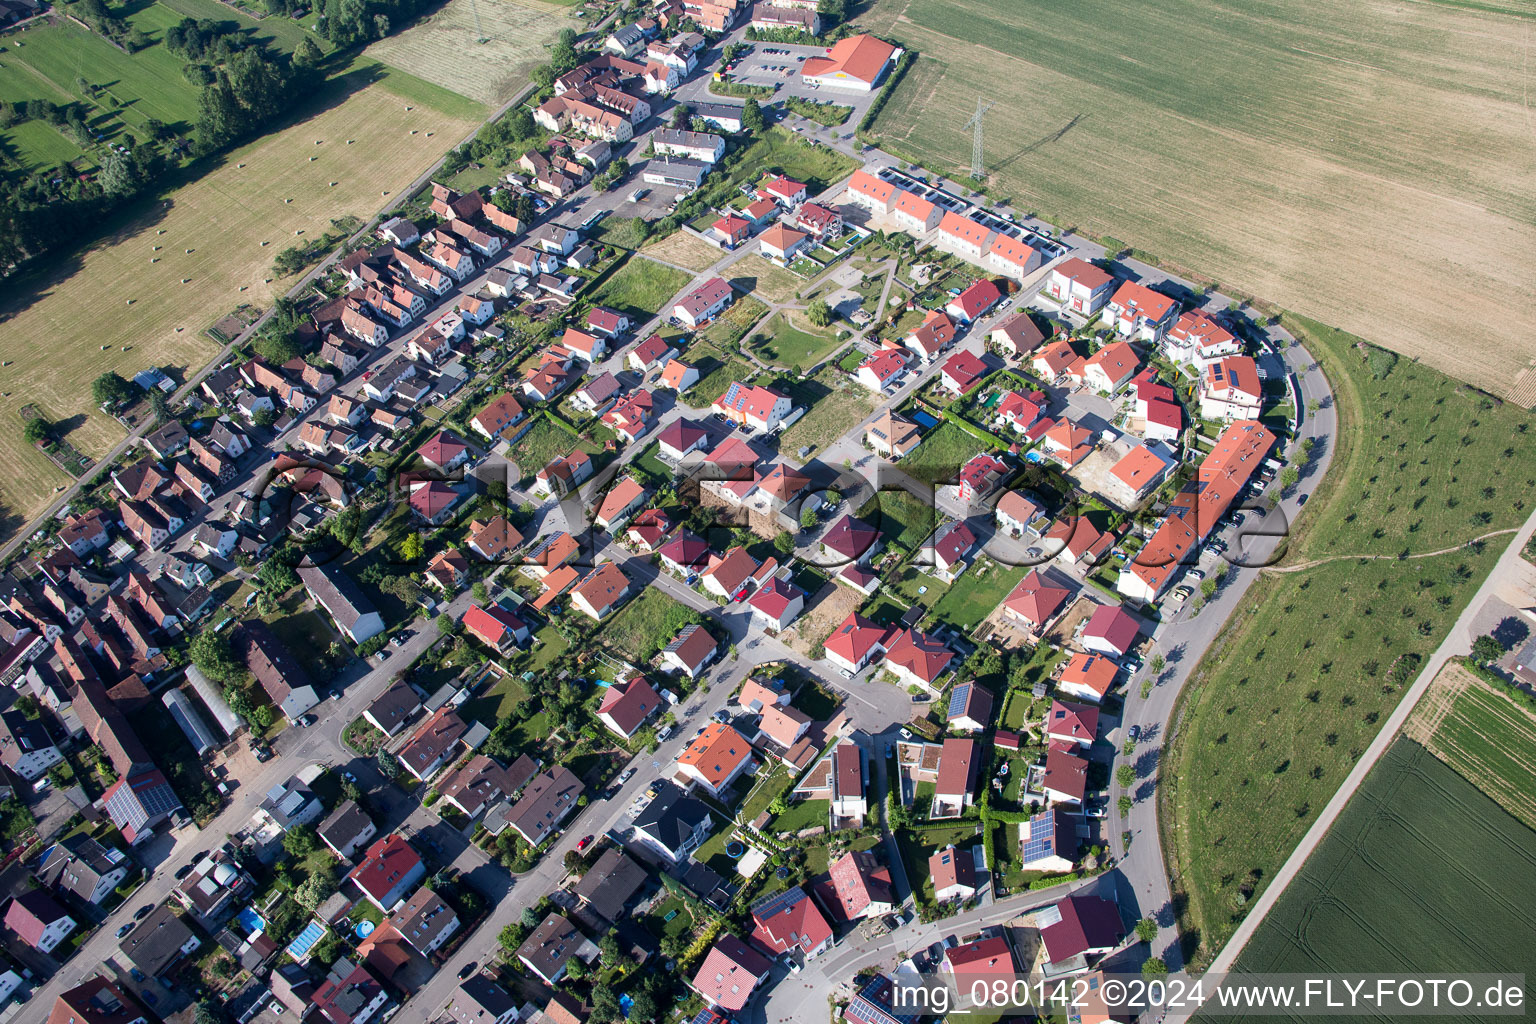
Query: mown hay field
x=1365, y=164
x=445, y=47
x=1421, y=873
x=1486, y=736
x=52, y=332
x=1297, y=685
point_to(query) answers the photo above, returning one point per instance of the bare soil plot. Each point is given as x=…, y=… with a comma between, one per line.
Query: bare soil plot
x=446, y=47
x=125, y=307
x=824, y=612
x=1322, y=158
x=683, y=250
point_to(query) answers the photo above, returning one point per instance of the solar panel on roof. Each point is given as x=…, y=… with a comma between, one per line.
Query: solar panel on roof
x=1041, y=839
x=957, y=699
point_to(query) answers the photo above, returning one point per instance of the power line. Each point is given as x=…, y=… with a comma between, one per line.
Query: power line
x=982, y=106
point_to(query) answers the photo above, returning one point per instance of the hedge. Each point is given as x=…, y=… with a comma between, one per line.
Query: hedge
x=885, y=92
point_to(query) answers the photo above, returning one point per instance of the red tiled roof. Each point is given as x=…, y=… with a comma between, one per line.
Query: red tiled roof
x=862, y=57
x=1035, y=600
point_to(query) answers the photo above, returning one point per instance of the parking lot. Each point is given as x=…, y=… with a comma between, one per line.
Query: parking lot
x=780, y=70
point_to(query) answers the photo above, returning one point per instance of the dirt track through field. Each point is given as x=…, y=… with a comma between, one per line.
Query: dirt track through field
x=1368, y=165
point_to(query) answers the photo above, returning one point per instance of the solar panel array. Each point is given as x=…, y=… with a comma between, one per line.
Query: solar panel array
x=1041, y=839
x=781, y=900
x=957, y=699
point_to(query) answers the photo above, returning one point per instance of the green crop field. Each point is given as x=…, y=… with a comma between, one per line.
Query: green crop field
x=1294, y=690
x=1315, y=155
x=1487, y=736
x=641, y=287
x=1421, y=873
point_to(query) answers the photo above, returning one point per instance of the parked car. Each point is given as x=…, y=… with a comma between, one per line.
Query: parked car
x=585, y=842
x=626, y=775
x=143, y=912
x=308, y=720
x=184, y=871
x=125, y=929
x=467, y=970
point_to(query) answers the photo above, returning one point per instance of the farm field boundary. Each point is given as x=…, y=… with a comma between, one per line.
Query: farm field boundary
x=1254, y=162
x=1421, y=873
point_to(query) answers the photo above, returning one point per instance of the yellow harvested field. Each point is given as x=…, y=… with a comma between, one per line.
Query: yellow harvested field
x=1368, y=165
x=445, y=47
x=122, y=305
x=683, y=250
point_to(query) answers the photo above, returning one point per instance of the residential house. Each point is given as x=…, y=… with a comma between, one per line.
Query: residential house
x=648, y=530
x=1017, y=335
x=673, y=824
x=783, y=726
x=980, y=477
x=426, y=921
x=626, y=706
x=932, y=337
x=546, y=801
x=333, y=590
x=479, y=1000
x=349, y=994
x=393, y=708
x=38, y=920
x=496, y=627
x=891, y=435
x=730, y=974
x=955, y=784
x=493, y=539
x=823, y=223
x=855, y=643
x=1231, y=389
x=1137, y=311
x=964, y=236
x=951, y=545
x=25, y=746
x=961, y=372
x=480, y=783
x=726, y=575
x=753, y=406
x=974, y=302
x=83, y=867
x=448, y=571
x=631, y=417
x=1012, y=256
x=981, y=963
x=346, y=830
x=1198, y=337
x=782, y=244
x=601, y=591
x=690, y=651
x=1086, y=927
x=970, y=707
x=715, y=758
x=1080, y=542
x=789, y=920
x=1111, y=367
x=1066, y=443
x=679, y=376
x=953, y=873
x=1079, y=286
x=1087, y=677
x=286, y=683
x=1048, y=841
x=915, y=658
x=1110, y=630
x=869, y=192
x=913, y=214
x=651, y=354
x=1066, y=776
x=563, y=474
x=703, y=302
x=1071, y=724
x=699, y=146
x=776, y=604
x=433, y=501
x=881, y=370
x=389, y=870
x=1140, y=471
x=434, y=744
x=158, y=943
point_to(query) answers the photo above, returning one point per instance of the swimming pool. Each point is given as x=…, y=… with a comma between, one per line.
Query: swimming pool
x=250, y=922
x=924, y=420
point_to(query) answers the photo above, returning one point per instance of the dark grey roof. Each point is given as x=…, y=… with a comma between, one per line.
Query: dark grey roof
x=155, y=942
x=337, y=591
x=478, y=1000
x=395, y=705
x=671, y=816
x=611, y=883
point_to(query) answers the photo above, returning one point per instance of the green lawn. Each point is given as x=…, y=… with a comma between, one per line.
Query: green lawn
x=717, y=370
x=972, y=597
x=681, y=921
x=640, y=288
x=1251, y=765
x=1418, y=855
x=306, y=635
x=767, y=786
x=495, y=703
x=904, y=519
x=802, y=814
x=942, y=452
x=711, y=853
x=543, y=443
x=782, y=343
x=816, y=701
x=918, y=844
x=639, y=629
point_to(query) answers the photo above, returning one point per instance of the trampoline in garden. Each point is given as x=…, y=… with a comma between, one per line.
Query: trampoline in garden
x=364, y=929
x=734, y=849
x=782, y=872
